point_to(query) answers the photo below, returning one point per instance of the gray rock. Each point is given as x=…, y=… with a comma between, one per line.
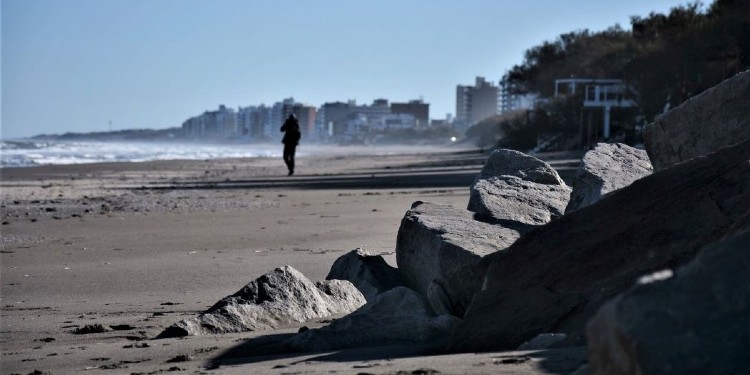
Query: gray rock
x=397, y=316
x=504, y=162
x=92, y=328
x=369, y=273
x=519, y=190
x=281, y=298
x=554, y=278
x=606, y=168
x=543, y=341
x=703, y=124
x=452, y=292
x=435, y=240
x=518, y=203
x=694, y=322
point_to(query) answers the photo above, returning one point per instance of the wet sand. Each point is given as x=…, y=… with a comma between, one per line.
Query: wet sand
x=139, y=246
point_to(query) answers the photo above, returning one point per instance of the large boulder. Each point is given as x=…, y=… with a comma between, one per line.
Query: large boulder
x=504, y=162
x=435, y=240
x=519, y=190
x=696, y=321
x=397, y=316
x=452, y=292
x=369, y=273
x=553, y=279
x=606, y=168
x=705, y=123
x=281, y=298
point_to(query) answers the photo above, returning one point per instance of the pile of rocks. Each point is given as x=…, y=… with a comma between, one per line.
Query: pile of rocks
x=648, y=266
x=622, y=223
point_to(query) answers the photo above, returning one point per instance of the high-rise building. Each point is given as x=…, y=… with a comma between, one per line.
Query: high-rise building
x=226, y=121
x=320, y=130
x=212, y=124
x=399, y=121
x=251, y=121
x=475, y=103
x=335, y=118
x=417, y=108
x=511, y=101
x=276, y=118
x=371, y=114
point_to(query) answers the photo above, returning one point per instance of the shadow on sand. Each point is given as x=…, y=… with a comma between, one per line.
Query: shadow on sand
x=439, y=178
x=269, y=348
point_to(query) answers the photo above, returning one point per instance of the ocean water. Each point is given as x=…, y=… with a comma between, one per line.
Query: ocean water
x=27, y=153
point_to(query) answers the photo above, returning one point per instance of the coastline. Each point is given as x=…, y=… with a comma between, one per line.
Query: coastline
x=41, y=152
x=163, y=240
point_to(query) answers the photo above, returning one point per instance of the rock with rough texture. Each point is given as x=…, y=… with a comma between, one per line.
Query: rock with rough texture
x=694, y=322
x=703, y=124
x=504, y=162
x=281, y=298
x=369, y=273
x=519, y=202
x=435, y=240
x=606, y=168
x=554, y=278
x=397, y=316
x=519, y=190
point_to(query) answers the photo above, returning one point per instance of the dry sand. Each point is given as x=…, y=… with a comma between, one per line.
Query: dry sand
x=139, y=246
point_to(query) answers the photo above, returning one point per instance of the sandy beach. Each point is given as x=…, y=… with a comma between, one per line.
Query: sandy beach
x=139, y=246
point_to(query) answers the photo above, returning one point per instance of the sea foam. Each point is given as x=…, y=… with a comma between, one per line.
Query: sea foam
x=26, y=153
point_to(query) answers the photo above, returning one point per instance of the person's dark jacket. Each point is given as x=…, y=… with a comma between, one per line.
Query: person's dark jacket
x=292, y=133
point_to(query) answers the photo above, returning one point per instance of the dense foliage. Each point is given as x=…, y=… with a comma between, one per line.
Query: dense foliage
x=665, y=58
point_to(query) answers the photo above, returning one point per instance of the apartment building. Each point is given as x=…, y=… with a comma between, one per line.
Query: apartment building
x=476, y=103
x=511, y=101
x=251, y=122
x=417, y=108
x=218, y=124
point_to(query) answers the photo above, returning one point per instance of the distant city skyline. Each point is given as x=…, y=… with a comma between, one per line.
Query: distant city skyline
x=338, y=122
x=76, y=65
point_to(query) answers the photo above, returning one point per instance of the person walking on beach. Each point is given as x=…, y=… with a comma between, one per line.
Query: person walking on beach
x=290, y=141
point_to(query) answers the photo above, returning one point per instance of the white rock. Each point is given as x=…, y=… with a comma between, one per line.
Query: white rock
x=606, y=168
x=518, y=190
x=281, y=298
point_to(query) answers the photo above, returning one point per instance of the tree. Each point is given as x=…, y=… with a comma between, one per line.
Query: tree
x=575, y=54
x=666, y=58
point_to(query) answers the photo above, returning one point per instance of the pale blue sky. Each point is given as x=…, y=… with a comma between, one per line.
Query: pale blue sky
x=73, y=65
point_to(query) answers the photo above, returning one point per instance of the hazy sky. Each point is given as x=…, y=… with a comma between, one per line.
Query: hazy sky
x=74, y=65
